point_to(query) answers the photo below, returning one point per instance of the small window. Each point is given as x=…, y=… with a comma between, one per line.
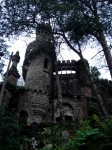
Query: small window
x=39, y=31
x=23, y=113
x=78, y=97
x=46, y=63
x=68, y=118
x=45, y=32
x=23, y=117
x=58, y=119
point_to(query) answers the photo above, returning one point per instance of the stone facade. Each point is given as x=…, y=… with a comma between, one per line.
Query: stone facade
x=39, y=103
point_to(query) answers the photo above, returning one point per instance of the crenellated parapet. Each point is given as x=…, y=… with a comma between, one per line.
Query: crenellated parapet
x=66, y=65
x=44, y=33
x=73, y=78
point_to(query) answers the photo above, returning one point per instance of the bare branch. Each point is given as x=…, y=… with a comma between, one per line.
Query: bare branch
x=96, y=54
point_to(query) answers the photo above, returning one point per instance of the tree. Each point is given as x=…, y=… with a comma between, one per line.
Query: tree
x=3, y=46
x=59, y=92
x=76, y=43
x=101, y=13
x=94, y=20
x=95, y=73
x=3, y=53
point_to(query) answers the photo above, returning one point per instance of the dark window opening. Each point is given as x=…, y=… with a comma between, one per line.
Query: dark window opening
x=32, y=132
x=68, y=118
x=46, y=63
x=30, y=50
x=23, y=113
x=39, y=31
x=58, y=119
x=23, y=117
x=78, y=97
x=46, y=32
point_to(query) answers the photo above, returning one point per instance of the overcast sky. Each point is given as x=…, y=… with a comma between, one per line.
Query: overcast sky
x=21, y=44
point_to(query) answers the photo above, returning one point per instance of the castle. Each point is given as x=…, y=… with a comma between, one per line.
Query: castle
x=40, y=102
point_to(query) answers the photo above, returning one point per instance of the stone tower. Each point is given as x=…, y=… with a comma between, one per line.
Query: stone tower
x=37, y=73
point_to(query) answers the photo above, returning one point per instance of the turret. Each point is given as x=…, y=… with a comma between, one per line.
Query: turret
x=37, y=73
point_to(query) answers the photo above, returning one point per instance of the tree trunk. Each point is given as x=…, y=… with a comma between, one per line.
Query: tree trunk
x=94, y=87
x=5, y=80
x=101, y=38
x=60, y=101
x=106, y=51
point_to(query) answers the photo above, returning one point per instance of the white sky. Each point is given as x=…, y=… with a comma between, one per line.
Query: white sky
x=88, y=53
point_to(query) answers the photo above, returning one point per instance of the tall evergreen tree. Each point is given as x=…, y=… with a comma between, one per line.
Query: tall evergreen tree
x=101, y=13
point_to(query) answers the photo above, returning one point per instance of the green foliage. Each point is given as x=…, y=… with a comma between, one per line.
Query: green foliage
x=86, y=137
x=21, y=89
x=105, y=84
x=91, y=134
x=80, y=65
x=16, y=92
x=95, y=73
x=3, y=48
x=16, y=89
x=109, y=102
x=13, y=70
x=94, y=110
x=75, y=16
x=9, y=130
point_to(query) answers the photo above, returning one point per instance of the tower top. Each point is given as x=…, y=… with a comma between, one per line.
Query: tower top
x=44, y=28
x=16, y=57
x=44, y=33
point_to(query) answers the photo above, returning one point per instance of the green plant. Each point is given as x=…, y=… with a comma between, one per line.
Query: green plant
x=9, y=130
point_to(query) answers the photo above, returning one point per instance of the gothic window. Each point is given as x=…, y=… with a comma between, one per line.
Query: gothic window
x=46, y=63
x=23, y=117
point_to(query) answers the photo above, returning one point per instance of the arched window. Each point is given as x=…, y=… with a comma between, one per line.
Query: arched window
x=46, y=63
x=58, y=119
x=68, y=118
x=23, y=117
x=68, y=113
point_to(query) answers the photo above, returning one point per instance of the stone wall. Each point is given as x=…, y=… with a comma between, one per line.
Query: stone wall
x=39, y=84
x=72, y=108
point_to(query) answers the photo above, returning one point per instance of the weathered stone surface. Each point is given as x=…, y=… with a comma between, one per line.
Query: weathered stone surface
x=39, y=74
x=39, y=82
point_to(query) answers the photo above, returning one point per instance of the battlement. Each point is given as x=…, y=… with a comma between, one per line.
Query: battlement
x=66, y=62
x=66, y=65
